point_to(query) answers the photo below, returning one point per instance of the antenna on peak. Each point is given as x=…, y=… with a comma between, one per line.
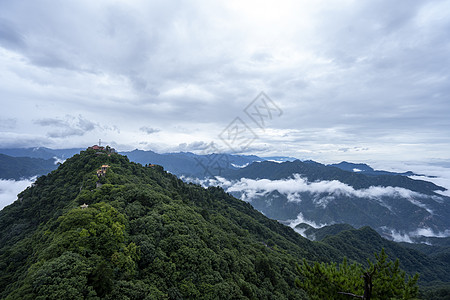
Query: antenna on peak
x=99, y=142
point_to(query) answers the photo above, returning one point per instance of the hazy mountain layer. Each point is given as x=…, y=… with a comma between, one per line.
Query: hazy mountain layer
x=368, y=170
x=41, y=152
x=295, y=192
x=24, y=167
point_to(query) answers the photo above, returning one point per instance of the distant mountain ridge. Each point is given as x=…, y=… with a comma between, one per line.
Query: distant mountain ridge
x=315, y=171
x=292, y=192
x=187, y=163
x=368, y=170
x=190, y=164
x=41, y=152
x=18, y=168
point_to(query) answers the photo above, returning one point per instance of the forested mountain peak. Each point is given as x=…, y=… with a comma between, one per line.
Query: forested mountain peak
x=138, y=232
x=145, y=234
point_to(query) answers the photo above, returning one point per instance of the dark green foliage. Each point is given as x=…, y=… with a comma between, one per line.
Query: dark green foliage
x=318, y=234
x=63, y=277
x=80, y=258
x=436, y=292
x=437, y=249
x=145, y=235
x=356, y=244
x=384, y=280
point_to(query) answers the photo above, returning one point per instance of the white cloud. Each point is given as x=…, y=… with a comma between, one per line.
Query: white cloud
x=292, y=186
x=240, y=166
x=409, y=237
x=197, y=64
x=300, y=219
x=10, y=188
x=400, y=237
x=294, y=197
x=58, y=160
x=435, y=171
x=428, y=232
x=323, y=191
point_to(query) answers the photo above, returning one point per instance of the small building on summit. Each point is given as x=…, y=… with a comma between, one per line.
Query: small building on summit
x=102, y=171
x=96, y=147
x=110, y=150
x=103, y=150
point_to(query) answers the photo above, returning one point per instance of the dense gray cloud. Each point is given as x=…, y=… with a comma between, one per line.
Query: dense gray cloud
x=362, y=79
x=198, y=146
x=67, y=127
x=9, y=37
x=9, y=123
x=149, y=130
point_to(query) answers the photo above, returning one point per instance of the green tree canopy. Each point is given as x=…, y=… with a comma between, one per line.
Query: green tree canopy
x=382, y=279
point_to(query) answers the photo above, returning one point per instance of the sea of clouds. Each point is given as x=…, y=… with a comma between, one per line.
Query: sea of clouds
x=10, y=188
x=292, y=187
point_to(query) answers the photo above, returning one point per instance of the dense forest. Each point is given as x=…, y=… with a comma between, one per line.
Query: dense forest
x=138, y=232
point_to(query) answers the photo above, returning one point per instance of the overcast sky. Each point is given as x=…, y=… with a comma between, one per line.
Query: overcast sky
x=355, y=80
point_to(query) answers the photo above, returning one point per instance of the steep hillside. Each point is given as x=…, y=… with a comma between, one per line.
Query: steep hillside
x=318, y=234
x=145, y=232
x=356, y=243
